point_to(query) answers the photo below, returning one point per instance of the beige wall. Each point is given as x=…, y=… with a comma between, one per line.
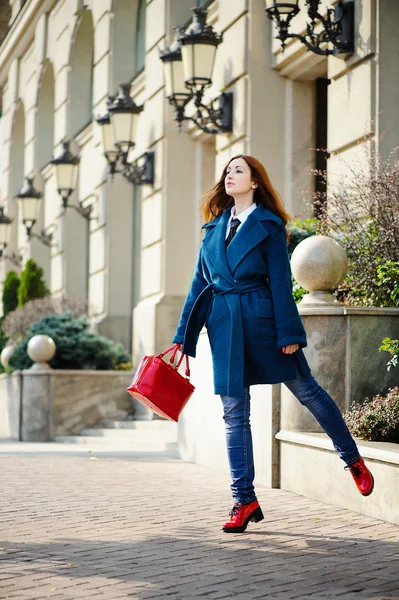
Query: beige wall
x=139, y=249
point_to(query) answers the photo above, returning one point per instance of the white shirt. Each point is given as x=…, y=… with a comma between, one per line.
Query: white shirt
x=242, y=216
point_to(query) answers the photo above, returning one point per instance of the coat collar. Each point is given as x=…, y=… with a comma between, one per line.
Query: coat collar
x=261, y=214
x=250, y=233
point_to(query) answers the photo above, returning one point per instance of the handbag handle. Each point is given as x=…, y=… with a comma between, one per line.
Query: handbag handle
x=175, y=348
x=187, y=365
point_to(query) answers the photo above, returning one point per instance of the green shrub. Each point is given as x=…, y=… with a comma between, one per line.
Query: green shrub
x=391, y=346
x=299, y=230
x=3, y=342
x=18, y=322
x=377, y=419
x=388, y=276
x=361, y=211
x=77, y=347
x=32, y=283
x=10, y=292
x=297, y=291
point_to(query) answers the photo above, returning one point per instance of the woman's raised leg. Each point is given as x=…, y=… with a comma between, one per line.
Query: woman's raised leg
x=327, y=414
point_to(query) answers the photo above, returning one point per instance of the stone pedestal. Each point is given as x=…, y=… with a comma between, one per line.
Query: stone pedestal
x=343, y=354
x=10, y=405
x=36, y=422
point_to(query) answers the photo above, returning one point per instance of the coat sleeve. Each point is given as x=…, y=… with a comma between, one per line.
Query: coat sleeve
x=198, y=283
x=290, y=329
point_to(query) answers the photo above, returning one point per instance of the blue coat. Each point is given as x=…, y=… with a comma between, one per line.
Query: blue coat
x=243, y=295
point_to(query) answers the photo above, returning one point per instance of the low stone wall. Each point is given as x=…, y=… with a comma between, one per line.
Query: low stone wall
x=83, y=398
x=309, y=466
x=38, y=404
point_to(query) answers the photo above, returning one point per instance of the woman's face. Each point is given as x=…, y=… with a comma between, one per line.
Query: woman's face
x=238, y=178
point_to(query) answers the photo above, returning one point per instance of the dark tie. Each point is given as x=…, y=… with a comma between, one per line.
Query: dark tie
x=233, y=230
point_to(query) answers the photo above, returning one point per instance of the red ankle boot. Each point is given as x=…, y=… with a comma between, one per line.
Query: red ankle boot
x=240, y=516
x=362, y=476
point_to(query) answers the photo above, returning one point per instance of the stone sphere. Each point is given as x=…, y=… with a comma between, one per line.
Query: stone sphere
x=41, y=348
x=319, y=263
x=6, y=355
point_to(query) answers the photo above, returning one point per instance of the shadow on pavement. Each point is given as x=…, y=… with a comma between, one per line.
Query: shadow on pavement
x=242, y=564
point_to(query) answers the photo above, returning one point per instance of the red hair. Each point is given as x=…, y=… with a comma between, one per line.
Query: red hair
x=216, y=200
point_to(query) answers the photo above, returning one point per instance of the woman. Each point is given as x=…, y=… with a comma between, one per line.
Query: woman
x=242, y=291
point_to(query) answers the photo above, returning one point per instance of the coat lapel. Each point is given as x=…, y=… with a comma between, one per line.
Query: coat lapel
x=214, y=245
x=249, y=234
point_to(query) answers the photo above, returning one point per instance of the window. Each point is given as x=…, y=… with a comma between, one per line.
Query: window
x=45, y=117
x=321, y=133
x=81, y=91
x=140, y=35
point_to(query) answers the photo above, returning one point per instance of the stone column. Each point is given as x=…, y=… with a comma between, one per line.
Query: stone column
x=168, y=208
x=36, y=406
x=112, y=268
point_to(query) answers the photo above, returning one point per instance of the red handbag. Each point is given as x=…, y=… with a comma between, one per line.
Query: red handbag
x=160, y=386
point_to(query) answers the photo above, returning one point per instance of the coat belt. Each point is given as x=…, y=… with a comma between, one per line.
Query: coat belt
x=235, y=343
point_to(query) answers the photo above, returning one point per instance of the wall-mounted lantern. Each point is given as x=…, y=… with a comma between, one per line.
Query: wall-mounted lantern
x=188, y=67
x=5, y=231
x=29, y=203
x=338, y=24
x=66, y=172
x=119, y=132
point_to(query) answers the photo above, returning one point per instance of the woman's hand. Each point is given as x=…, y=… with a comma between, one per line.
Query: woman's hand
x=290, y=349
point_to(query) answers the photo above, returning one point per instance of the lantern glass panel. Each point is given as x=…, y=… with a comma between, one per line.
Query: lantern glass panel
x=107, y=138
x=174, y=78
x=198, y=62
x=29, y=208
x=124, y=129
x=167, y=70
x=284, y=8
x=66, y=175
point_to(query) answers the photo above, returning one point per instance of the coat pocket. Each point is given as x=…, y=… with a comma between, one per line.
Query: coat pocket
x=266, y=325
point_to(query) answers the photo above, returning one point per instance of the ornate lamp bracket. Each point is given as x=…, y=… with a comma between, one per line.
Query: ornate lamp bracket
x=338, y=24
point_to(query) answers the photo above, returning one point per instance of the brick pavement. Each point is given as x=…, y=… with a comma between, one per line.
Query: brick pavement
x=77, y=527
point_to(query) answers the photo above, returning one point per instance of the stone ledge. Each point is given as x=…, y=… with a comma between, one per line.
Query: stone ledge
x=382, y=451
x=339, y=309
x=310, y=467
x=75, y=373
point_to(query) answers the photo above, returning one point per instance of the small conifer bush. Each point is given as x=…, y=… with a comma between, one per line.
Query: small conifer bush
x=10, y=292
x=32, y=283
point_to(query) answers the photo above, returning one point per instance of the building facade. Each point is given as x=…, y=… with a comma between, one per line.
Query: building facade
x=134, y=258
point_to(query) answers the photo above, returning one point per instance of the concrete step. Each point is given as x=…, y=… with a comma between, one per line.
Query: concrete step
x=156, y=424
x=168, y=431
x=149, y=436
x=113, y=444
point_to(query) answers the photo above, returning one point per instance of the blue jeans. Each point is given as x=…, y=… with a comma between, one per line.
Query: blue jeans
x=239, y=439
